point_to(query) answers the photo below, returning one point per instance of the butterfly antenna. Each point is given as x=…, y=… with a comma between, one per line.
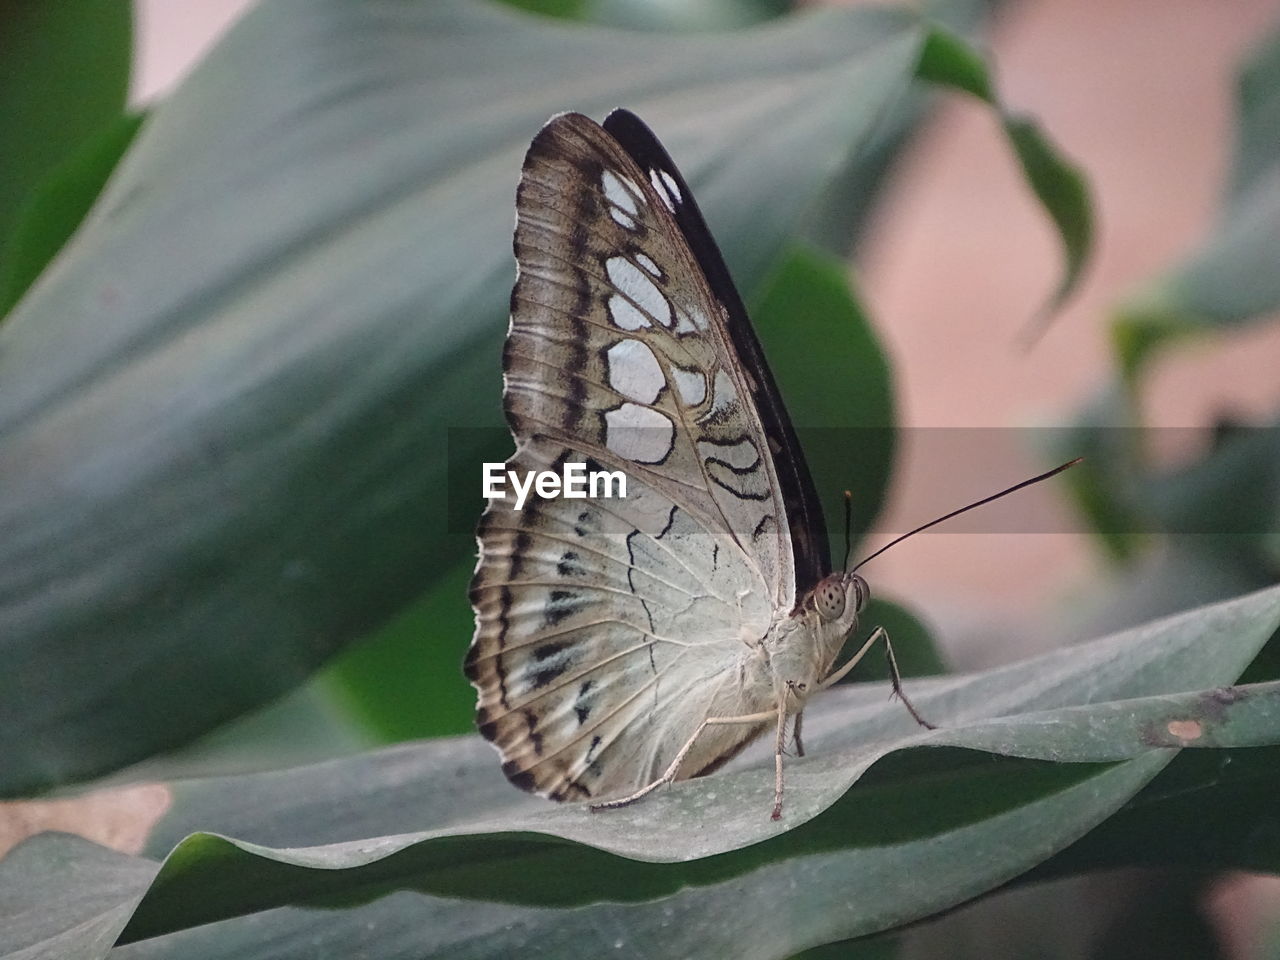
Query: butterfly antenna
x=955, y=513
x=848, y=528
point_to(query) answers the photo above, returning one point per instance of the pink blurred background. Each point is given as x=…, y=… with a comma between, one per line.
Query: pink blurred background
x=1140, y=94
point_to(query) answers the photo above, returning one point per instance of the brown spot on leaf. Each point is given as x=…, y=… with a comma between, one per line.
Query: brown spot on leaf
x=1215, y=702
x=1185, y=730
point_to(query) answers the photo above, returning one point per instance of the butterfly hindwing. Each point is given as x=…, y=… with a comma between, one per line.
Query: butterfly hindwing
x=578, y=654
x=608, y=628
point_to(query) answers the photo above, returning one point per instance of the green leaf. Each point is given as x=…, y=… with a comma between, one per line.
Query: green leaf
x=64, y=72
x=672, y=15
x=57, y=204
x=683, y=15
x=840, y=216
x=948, y=60
x=565, y=9
x=1227, y=502
x=1230, y=280
x=1092, y=723
x=307, y=725
x=832, y=371
x=1063, y=191
x=405, y=681
x=1209, y=809
x=1059, y=185
x=65, y=898
x=1258, y=106
x=1230, y=495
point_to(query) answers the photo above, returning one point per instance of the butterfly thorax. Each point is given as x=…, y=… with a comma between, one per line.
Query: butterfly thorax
x=804, y=646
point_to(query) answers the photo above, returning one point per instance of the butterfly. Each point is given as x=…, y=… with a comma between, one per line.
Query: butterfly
x=625, y=643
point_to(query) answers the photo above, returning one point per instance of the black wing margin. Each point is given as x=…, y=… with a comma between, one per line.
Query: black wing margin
x=799, y=496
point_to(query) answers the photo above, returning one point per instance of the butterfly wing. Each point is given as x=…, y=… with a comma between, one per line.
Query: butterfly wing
x=607, y=629
x=807, y=525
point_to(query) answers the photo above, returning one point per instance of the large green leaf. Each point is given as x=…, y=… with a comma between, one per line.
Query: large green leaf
x=1219, y=512
x=674, y=15
x=829, y=360
x=840, y=216
x=1092, y=723
x=683, y=14
x=398, y=690
x=56, y=204
x=1218, y=804
x=1231, y=279
x=64, y=72
x=227, y=403
x=1057, y=183
x=244, y=367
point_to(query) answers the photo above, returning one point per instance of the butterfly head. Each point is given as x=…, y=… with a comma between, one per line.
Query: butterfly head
x=811, y=639
x=840, y=596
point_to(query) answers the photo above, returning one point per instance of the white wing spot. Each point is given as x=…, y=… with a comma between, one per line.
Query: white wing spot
x=634, y=371
x=691, y=384
x=673, y=188
x=640, y=288
x=647, y=262
x=640, y=434
x=622, y=218
x=625, y=314
x=666, y=187
x=621, y=193
x=723, y=395
x=690, y=320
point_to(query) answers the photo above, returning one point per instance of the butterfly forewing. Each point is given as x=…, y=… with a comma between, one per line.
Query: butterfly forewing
x=607, y=629
x=808, y=528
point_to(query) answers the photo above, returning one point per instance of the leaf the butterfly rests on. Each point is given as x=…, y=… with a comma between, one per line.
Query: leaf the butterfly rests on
x=608, y=631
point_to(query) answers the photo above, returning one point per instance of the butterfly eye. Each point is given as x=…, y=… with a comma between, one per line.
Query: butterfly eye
x=828, y=598
x=861, y=591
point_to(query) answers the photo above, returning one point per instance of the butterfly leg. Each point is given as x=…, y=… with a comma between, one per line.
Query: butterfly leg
x=795, y=733
x=894, y=675
x=778, y=744
x=853, y=661
x=674, y=768
x=896, y=679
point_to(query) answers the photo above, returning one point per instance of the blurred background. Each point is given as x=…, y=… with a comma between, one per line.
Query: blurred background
x=957, y=261
x=954, y=264
x=1141, y=96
